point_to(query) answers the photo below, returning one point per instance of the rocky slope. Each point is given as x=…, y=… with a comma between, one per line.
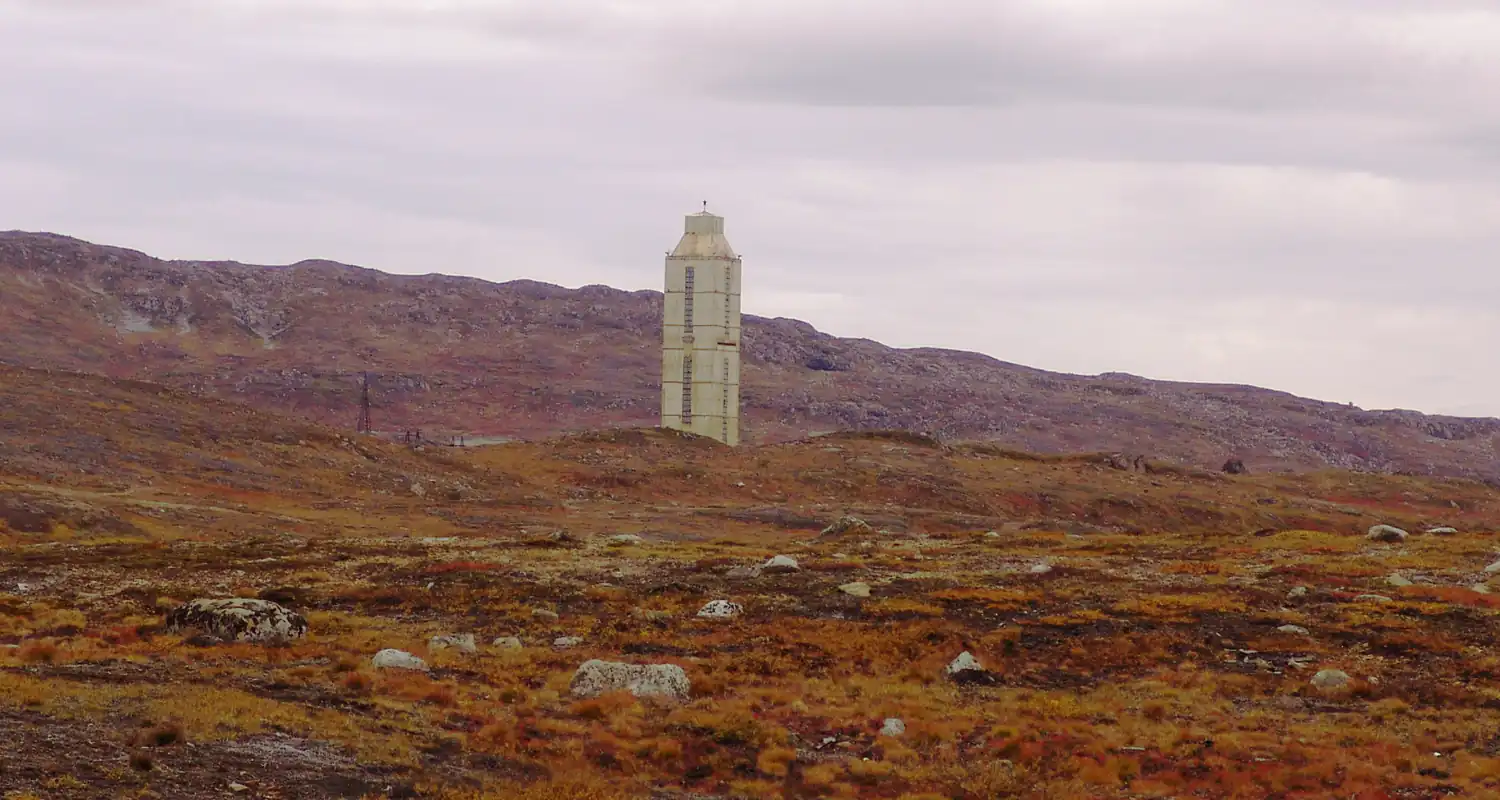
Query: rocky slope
x=524, y=359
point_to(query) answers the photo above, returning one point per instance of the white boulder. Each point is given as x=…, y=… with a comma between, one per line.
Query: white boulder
x=856, y=589
x=894, y=726
x=397, y=659
x=780, y=564
x=596, y=677
x=1331, y=679
x=966, y=662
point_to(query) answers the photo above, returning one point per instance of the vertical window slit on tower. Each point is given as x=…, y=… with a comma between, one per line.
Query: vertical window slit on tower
x=687, y=345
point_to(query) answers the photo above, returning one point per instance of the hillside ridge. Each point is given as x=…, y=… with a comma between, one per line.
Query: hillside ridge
x=527, y=359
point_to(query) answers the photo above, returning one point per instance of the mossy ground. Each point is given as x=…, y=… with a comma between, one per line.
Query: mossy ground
x=1145, y=662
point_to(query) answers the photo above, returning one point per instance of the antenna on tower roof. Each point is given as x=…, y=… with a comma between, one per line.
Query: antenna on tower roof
x=705, y=206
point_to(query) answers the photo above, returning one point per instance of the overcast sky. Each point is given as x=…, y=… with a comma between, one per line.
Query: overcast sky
x=1298, y=194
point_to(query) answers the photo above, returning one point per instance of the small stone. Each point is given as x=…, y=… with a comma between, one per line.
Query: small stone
x=1386, y=533
x=397, y=659
x=721, y=609
x=1480, y=588
x=624, y=540
x=1331, y=679
x=565, y=642
x=1442, y=530
x=779, y=565
x=238, y=788
x=992, y=534
x=544, y=615
x=462, y=642
x=596, y=677
x=893, y=727
x=1373, y=598
x=742, y=573
x=856, y=589
x=1040, y=569
x=1297, y=592
x=1493, y=568
x=1296, y=630
x=1397, y=581
x=419, y=490
x=507, y=643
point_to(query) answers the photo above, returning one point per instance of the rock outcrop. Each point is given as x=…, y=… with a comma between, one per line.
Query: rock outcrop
x=238, y=619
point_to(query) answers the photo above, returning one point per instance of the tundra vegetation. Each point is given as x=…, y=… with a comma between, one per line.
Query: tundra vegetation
x=1146, y=632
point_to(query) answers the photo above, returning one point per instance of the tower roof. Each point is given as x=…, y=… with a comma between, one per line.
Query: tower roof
x=703, y=237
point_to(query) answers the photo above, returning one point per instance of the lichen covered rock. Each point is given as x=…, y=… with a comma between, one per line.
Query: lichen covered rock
x=721, y=609
x=238, y=619
x=596, y=677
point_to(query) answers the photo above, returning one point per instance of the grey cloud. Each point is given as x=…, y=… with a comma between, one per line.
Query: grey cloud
x=1299, y=195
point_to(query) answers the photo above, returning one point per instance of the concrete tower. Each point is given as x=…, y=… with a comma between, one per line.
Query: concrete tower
x=700, y=360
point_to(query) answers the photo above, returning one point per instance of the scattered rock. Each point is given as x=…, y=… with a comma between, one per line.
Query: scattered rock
x=1442, y=530
x=1386, y=533
x=1397, y=581
x=565, y=642
x=893, y=727
x=397, y=659
x=544, y=615
x=1297, y=630
x=742, y=573
x=596, y=677
x=419, y=490
x=721, y=609
x=238, y=619
x=1297, y=592
x=507, y=643
x=846, y=526
x=1373, y=598
x=1493, y=568
x=1480, y=588
x=1234, y=466
x=1331, y=679
x=992, y=534
x=856, y=589
x=238, y=788
x=779, y=565
x=462, y=642
x=624, y=540
x=1040, y=569
x=966, y=662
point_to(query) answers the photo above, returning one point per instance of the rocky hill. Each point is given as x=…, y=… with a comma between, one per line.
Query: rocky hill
x=527, y=359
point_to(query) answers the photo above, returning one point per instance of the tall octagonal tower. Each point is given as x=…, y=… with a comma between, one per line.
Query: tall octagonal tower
x=700, y=361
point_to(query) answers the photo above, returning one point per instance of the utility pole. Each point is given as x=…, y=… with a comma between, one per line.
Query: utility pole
x=363, y=426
